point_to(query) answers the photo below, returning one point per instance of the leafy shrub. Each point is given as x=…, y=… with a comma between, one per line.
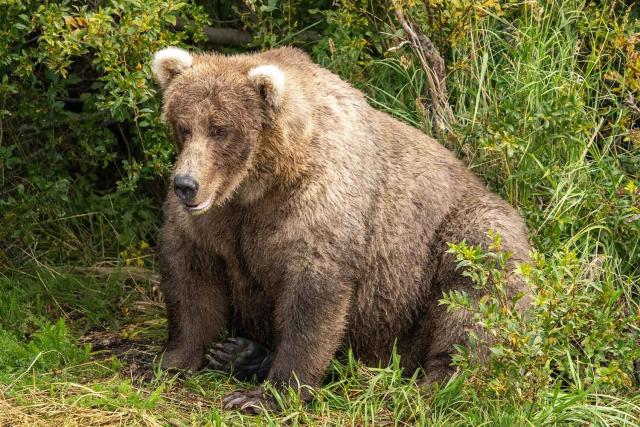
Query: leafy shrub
x=580, y=332
x=84, y=131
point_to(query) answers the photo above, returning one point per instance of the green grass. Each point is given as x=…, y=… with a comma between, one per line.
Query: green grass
x=50, y=376
x=538, y=116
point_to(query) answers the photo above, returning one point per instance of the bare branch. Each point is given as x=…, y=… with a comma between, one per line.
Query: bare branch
x=630, y=101
x=235, y=37
x=433, y=64
x=221, y=36
x=136, y=274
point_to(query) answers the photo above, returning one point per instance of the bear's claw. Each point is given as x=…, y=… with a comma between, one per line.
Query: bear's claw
x=241, y=357
x=249, y=401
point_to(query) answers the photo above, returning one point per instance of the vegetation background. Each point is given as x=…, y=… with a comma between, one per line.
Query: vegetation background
x=540, y=97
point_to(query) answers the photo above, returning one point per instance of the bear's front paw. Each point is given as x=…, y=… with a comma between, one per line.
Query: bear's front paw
x=241, y=357
x=251, y=402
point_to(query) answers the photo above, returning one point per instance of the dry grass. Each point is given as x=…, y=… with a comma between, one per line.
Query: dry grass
x=37, y=408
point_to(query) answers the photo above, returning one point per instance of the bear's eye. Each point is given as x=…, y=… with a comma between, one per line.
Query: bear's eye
x=218, y=132
x=184, y=132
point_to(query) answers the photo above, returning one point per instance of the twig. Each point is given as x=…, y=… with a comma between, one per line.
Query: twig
x=630, y=101
x=137, y=274
x=434, y=66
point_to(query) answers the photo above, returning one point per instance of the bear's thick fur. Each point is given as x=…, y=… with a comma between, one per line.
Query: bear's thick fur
x=310, y=222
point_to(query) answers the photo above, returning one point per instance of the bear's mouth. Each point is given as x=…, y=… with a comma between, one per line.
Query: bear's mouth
x=200, y=208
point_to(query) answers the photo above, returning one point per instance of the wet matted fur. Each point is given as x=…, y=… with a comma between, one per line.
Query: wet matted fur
x=320, y=223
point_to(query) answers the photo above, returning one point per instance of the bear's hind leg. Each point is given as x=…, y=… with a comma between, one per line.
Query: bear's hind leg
x=450, y=328
x=447, y=330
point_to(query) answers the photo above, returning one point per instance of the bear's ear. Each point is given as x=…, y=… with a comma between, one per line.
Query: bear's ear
x=269, y=80
x=168, y=63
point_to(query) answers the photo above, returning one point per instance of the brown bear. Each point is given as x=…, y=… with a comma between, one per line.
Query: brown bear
x=306, y=222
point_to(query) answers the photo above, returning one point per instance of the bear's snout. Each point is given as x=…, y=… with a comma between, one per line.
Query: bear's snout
x=185, y=187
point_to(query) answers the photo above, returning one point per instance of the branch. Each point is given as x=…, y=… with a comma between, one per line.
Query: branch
x=235, y=37
x=630, y=101
x=137, y=274
x=222, y=36
x=433, y=65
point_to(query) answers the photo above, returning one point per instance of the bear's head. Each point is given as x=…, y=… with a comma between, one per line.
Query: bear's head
x=217, y=107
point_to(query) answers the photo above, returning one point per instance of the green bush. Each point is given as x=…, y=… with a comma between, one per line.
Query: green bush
x=580, y=333
x=80, y=118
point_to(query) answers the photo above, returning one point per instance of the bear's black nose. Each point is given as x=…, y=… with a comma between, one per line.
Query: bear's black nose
x=185, y=187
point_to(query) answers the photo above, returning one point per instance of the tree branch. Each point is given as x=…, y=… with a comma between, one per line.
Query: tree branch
x=221, y=36
x=235, y=37
x=434, y=66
